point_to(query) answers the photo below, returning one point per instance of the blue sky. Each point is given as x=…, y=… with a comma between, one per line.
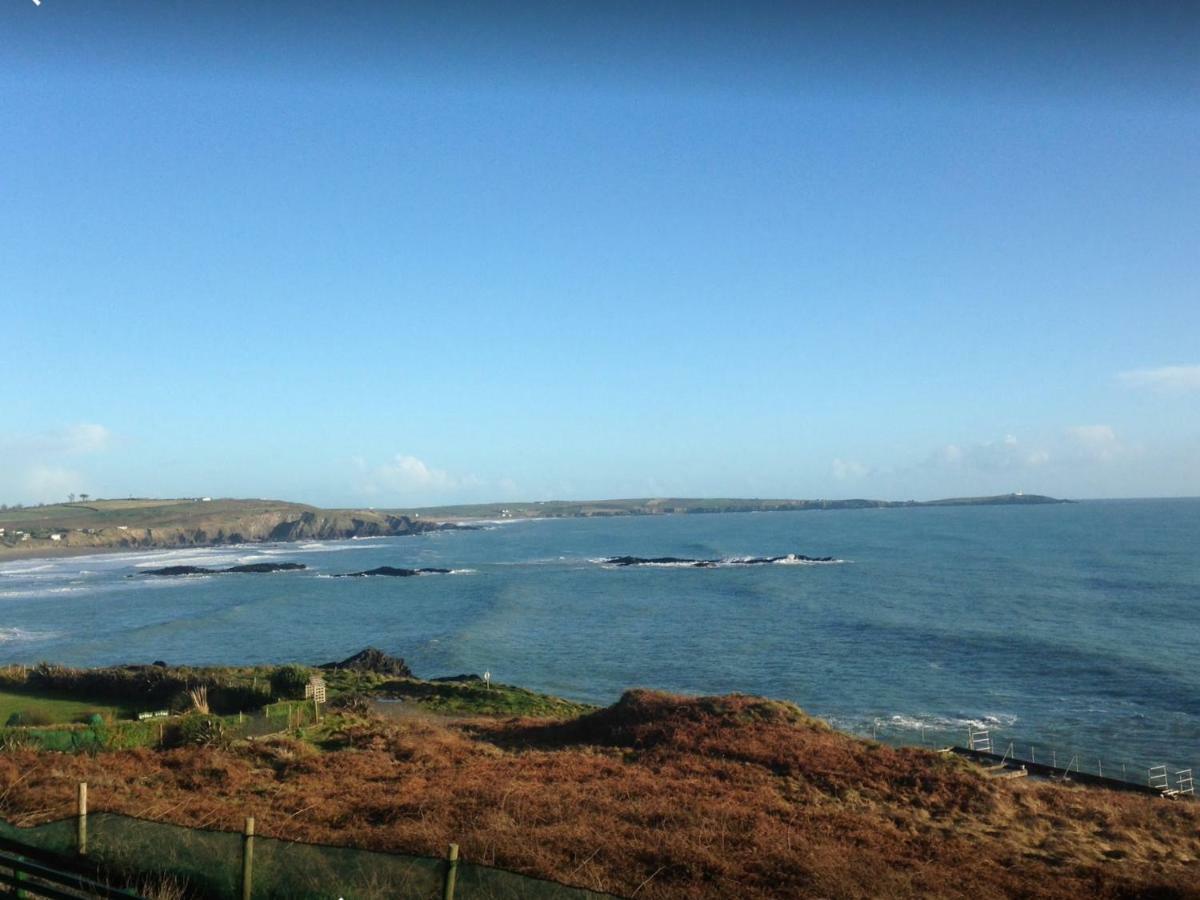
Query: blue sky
x=397, y=255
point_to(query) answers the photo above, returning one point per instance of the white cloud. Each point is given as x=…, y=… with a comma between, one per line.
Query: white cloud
x=1097, y=442
x=86, y=438
x=73, y=440
x=849, y=470
x=1037, y=458
x=52, y=482
x=989, y=456
x=41, y=466
x=407, y=475
x=1168, y=379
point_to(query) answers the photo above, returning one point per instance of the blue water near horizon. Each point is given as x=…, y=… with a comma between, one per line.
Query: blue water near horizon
x=1072, y=627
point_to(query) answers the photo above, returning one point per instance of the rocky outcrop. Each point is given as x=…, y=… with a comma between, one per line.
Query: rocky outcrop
x=249, y=569
x=659, y=561
x=393, y=572
x=373, y=660
x=325, y=526
x=683, y=563
x=265, y=568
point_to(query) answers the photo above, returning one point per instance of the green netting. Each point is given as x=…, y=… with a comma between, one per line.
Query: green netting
x=211, y=862
x=53, y=837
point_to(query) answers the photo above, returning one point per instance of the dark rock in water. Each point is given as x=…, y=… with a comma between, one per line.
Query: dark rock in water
x=712, y=563
x=249, y=569
x=659, y=561
x=263, y=568
x=159, y=664
x=791, y=557
x=389, y=571
x=373, y=660
x=393, y=572
x=458, y=679
x=181, y=570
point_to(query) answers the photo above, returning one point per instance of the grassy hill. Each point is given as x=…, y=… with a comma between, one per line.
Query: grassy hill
x=100, y=525
x=657, y=796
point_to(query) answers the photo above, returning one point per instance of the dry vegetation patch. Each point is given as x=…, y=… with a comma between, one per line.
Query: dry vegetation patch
x=657, y=796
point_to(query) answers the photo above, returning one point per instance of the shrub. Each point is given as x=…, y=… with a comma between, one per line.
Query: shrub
x=202, y=730
x=29, y=717
x=288, y=682
x=15, y=741
x=354, y=704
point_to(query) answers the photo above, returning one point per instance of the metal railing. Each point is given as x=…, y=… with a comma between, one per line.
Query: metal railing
x=26, y=878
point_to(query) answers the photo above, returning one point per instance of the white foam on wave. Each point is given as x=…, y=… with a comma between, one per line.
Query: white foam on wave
x=952, y=723
x=723, y=563
x=42, y=592
x=492, y=524
x=462, y=571
x=19, y=569
x=795, y=561
x=20, y=635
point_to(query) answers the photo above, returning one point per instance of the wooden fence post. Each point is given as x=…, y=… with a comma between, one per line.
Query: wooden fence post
x=451, y=873
x=81, y=827
x=248, y=858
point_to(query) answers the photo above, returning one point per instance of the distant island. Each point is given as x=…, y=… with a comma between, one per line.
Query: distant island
x=96, y=526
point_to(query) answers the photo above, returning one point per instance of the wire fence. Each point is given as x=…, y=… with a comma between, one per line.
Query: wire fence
x=1043, y=758
x=216, y=864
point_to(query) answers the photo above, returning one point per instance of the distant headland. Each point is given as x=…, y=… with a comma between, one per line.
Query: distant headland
x=658, y=506
x=97, y=526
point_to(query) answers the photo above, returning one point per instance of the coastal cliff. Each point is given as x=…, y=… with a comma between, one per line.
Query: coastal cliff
x=143, y=524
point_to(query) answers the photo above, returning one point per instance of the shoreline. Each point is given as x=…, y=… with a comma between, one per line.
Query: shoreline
x=113, y=526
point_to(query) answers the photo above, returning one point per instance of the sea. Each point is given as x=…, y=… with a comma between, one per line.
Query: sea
x=1067, y=631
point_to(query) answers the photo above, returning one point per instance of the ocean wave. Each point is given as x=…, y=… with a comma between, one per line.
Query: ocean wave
x=20, y=570
x=43, y=592
x=952, y=723
x=492, y=524
x=20, y=635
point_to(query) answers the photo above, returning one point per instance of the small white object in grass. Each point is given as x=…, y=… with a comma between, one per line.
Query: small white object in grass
x=487, y=680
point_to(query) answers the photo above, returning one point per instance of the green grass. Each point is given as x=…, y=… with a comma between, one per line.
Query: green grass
x=138, y=513
x=54, y=710
x=473, y=698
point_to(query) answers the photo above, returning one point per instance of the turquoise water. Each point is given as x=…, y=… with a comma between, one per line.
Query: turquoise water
x=1073, y=628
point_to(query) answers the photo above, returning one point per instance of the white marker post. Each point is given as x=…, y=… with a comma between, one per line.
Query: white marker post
x=487, y=680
